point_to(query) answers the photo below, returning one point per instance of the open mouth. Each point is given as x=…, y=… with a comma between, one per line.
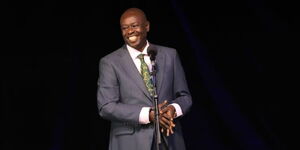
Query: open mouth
x=132, y=38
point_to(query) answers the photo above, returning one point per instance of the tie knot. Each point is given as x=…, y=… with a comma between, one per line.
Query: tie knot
x=141, y=56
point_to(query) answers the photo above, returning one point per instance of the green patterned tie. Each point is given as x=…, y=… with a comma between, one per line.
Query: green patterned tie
x=146, y=74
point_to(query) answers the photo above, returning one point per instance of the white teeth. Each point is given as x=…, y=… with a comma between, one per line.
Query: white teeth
x=132, y=38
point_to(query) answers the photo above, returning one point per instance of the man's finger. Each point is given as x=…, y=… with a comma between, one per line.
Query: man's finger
x=167, y=115
x=166, y=121
x=171, y=131
x=162, y=104
x=168, y=132
x=164, y=110
x=173, y=124
x=163, y=124
x=169, y=109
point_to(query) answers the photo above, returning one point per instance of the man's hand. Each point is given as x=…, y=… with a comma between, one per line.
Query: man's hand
x=160, y=107
x=167, y=115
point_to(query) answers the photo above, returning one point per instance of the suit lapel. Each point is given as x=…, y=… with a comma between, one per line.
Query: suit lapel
x=130, y=69
x=160, y=62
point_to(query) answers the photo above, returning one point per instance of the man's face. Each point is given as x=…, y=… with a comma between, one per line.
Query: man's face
x=134, y=30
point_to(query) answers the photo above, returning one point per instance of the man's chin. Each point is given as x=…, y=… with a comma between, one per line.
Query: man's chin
x=133, y=44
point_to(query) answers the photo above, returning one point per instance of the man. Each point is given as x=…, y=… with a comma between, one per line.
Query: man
x=125, y=92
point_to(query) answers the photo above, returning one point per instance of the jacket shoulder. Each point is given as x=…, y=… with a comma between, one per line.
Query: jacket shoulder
x=116, y=54
x=166, y=50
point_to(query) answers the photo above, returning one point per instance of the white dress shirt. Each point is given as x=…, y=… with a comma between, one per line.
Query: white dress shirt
x=144, y=114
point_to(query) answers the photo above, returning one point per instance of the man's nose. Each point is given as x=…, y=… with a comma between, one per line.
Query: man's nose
x=131, y=30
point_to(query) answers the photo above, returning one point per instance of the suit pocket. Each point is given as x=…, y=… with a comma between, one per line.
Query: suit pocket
x=122, y=130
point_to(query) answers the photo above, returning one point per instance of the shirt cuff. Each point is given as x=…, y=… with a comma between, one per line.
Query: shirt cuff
x=144, y=115
x=178, y=110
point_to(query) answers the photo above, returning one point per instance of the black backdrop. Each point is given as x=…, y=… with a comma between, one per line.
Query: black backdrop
x=237, y=57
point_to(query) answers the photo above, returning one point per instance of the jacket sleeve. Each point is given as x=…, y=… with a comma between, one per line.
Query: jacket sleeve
x=108, y=97
x=182, y=95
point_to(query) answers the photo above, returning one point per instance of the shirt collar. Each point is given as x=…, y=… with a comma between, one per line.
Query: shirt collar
x=134, y=52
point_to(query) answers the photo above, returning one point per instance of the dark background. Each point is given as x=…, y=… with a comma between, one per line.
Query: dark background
x=238, y=55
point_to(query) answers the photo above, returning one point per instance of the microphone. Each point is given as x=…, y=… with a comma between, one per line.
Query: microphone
x=152, y=52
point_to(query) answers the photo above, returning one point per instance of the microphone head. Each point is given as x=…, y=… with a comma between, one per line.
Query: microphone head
x=152, y=52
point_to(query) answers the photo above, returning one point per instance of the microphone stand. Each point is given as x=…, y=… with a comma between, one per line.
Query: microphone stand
x=156, y=109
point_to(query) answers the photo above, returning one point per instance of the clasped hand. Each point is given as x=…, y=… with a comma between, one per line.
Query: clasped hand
x=166, y=117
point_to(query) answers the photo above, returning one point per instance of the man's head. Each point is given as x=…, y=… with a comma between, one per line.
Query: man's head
x=134, y=27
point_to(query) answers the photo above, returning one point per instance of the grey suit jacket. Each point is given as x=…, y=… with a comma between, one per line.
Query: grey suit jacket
x=122, y=93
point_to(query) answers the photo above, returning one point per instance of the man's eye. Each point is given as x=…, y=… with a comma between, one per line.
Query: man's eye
x=124, y=28
x=135, y=26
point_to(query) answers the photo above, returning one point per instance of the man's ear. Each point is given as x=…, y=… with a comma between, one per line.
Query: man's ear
x=148, y=26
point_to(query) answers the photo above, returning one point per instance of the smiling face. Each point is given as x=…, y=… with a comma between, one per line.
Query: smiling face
x=134, y=27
